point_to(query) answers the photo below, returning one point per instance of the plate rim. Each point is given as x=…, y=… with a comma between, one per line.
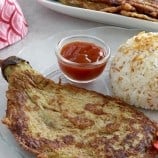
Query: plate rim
x=51, y=38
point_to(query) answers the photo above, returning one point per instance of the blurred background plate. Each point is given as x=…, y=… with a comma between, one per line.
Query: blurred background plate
x=98, y=16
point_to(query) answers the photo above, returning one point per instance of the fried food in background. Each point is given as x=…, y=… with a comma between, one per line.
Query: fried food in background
x=63, y=121
x=146, y=9
x=86, y=4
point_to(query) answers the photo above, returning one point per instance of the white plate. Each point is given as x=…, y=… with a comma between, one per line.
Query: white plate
x=42, y=58
x=98, y=16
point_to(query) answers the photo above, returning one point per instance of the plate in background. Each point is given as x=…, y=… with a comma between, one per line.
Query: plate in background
x=98, y=16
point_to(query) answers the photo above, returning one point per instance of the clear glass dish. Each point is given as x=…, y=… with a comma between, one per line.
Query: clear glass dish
x=80, y=66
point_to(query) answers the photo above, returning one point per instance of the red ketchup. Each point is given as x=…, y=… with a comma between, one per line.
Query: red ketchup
x=83, y=54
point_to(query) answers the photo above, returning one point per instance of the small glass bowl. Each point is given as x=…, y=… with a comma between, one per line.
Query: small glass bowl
x=82, y=72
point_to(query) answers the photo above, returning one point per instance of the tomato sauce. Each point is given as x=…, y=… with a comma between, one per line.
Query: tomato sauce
x=82, y=53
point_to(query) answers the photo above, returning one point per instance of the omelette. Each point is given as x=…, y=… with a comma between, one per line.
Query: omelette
x=52, y=120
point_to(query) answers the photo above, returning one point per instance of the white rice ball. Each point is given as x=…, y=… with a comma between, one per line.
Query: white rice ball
x=134, y=71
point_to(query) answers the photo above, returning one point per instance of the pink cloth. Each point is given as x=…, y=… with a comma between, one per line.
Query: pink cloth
x=13, y=26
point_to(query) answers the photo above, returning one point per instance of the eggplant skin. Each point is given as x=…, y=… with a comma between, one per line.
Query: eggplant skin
x=63, y=121
x=12, y=60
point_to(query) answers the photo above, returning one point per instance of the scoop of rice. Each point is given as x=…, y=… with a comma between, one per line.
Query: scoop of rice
x=134, y=71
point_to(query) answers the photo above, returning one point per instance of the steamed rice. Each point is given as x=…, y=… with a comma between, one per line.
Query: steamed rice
x=134, y=71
